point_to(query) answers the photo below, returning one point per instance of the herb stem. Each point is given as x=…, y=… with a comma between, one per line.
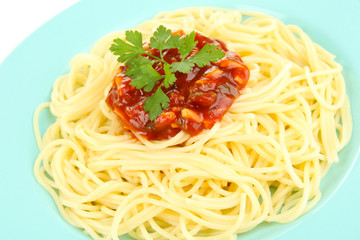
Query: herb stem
x=161, y=55
x=155, y=57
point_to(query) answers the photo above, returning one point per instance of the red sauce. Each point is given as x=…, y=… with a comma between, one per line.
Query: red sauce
x=198, y=99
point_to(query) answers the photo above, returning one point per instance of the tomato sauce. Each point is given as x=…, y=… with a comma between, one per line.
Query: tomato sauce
x=198, y=99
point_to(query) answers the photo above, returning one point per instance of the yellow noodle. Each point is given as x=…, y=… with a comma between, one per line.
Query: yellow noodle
x=262, y=162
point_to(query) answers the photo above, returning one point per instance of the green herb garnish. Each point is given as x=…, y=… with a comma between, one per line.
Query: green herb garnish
x=141, y=70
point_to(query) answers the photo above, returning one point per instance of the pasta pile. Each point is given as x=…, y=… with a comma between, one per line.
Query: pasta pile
x=263, y=162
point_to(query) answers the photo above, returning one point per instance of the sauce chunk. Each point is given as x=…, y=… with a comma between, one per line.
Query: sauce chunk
x=198, y=99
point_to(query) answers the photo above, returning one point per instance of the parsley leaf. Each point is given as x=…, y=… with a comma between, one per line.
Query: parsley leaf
x=162, y=39
x=140, y=63
x=184, y=66
x=135, y=38
x=173, y=42
x=188, y=45
x=169, y=76
x=209, y=53
x=145, y=78
x=156, y=103
x=127, y=51
x=135, y=64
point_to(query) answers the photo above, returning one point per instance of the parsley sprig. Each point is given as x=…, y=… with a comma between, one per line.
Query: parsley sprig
x=131, y=52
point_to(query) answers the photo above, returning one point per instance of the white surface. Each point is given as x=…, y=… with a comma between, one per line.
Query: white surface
x=19, y=18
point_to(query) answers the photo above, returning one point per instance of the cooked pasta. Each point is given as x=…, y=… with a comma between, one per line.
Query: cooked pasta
x=262, y=163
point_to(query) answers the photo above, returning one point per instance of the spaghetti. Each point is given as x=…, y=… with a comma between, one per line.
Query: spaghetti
x=262, y=162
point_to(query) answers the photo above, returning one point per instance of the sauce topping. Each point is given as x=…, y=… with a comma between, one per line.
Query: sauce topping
x=198, y=99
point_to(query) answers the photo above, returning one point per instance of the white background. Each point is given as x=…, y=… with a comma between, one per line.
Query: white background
x=19, y=18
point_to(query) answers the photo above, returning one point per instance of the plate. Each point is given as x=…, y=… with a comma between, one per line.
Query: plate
x=28, y=73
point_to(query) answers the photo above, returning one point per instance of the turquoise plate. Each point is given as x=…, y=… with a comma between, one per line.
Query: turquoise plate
x=27, y=75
